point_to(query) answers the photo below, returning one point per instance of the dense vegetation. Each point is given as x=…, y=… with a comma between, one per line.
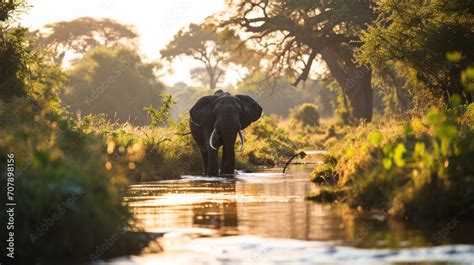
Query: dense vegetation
x=400, y=165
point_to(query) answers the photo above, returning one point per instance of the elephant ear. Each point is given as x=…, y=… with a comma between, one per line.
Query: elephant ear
x=251, y=111
x=201, y=112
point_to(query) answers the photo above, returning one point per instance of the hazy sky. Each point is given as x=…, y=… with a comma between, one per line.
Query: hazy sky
x=156, y=20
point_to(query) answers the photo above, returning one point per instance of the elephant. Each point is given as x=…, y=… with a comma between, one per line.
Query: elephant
x=215, y=121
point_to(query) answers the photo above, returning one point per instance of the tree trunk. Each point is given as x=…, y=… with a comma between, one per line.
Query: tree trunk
x=212, y=82
x=354, y=80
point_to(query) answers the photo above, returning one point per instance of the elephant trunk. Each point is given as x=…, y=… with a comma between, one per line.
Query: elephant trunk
x=228, y=153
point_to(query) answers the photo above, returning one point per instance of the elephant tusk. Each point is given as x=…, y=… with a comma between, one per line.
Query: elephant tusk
x=212, y=138
x=242, y=140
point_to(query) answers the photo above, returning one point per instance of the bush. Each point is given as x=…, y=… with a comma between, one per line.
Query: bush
x=306, y=114
x=67, y=201
x=401, y=167
x=266, y=144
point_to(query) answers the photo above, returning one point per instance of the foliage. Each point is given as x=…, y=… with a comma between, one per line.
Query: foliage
x=185, y=97
x=13, y=60
x=325, y=174
x=400, y=166
x=161, y=117
x=326, y=99
x=294, y=34
x=114, y=81
x=305, y=114
x=6, y=8
x=422, y=37
x=59, y=184
x=80, y=35
x=152, y=153
x=203, y=43
x=156, y=153
x=266, y=143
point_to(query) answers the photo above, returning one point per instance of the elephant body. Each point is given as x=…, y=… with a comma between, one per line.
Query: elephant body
x=221, y=117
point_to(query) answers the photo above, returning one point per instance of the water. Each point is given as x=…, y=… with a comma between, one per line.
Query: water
x=264, y=218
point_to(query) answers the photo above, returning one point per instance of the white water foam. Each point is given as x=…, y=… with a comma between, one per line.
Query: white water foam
x=240, y=175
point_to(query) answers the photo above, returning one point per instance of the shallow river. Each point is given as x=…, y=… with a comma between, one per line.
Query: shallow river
x=263, y=218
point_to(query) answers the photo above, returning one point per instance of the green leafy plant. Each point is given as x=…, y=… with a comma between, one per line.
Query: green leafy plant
x=162, y=116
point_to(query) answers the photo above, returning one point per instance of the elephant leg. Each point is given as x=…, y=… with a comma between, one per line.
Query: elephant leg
x=204, y=161
x=212, y=168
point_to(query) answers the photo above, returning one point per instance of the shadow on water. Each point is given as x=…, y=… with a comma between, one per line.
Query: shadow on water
x=268, y=204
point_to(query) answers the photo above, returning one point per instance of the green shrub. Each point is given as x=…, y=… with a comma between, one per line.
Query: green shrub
x=67, y=200
x=306, y=114
x=266, y=144
x=401, y=166
x=325, y=174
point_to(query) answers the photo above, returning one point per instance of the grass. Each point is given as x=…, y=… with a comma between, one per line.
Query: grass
x=72, y=174
x=416, y=169
x=67, y=200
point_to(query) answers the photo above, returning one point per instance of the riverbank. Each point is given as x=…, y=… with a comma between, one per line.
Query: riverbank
x=69, y=170
x=399, y=166
x=217, y=220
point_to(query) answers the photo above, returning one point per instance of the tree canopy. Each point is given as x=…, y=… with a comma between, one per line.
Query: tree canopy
x=434, y=39
x=215, y=50
x=82, y=34
x=293, y=34
x=114, y=81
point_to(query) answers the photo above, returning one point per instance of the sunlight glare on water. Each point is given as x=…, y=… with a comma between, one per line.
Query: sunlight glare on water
x=264, y=218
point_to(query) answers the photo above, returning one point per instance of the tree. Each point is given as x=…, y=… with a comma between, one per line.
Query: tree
x=114, y=81
x=82, y=34
x=433, y=40
x=294, y=34
x=6, y=9
x=14, y=52
x=13, y=63
x=306, y=114
x=203, y=43
x=201, y=75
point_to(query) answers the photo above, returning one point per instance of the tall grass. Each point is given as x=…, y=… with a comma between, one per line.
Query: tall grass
x=416, y=169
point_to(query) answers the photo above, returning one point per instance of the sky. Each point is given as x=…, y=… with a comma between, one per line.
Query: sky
x=157, y=21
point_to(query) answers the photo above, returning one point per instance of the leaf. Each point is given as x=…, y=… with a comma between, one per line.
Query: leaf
x=407, y=129
x=375, y=138
x=433, y=117
x=364, y=147
x=387, y=150
x=387, y=163
x=467, y=78
x=399, y=151
x=454, y=56
x=350, y=152
x=446, y=130
x=416, y=124
x=455, y=101
x=419, y=149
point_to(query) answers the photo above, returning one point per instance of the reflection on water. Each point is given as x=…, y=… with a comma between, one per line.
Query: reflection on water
x=263, y=218
x=273, y=205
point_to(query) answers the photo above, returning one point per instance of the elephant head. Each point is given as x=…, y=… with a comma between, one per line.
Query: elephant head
x=221, y=117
